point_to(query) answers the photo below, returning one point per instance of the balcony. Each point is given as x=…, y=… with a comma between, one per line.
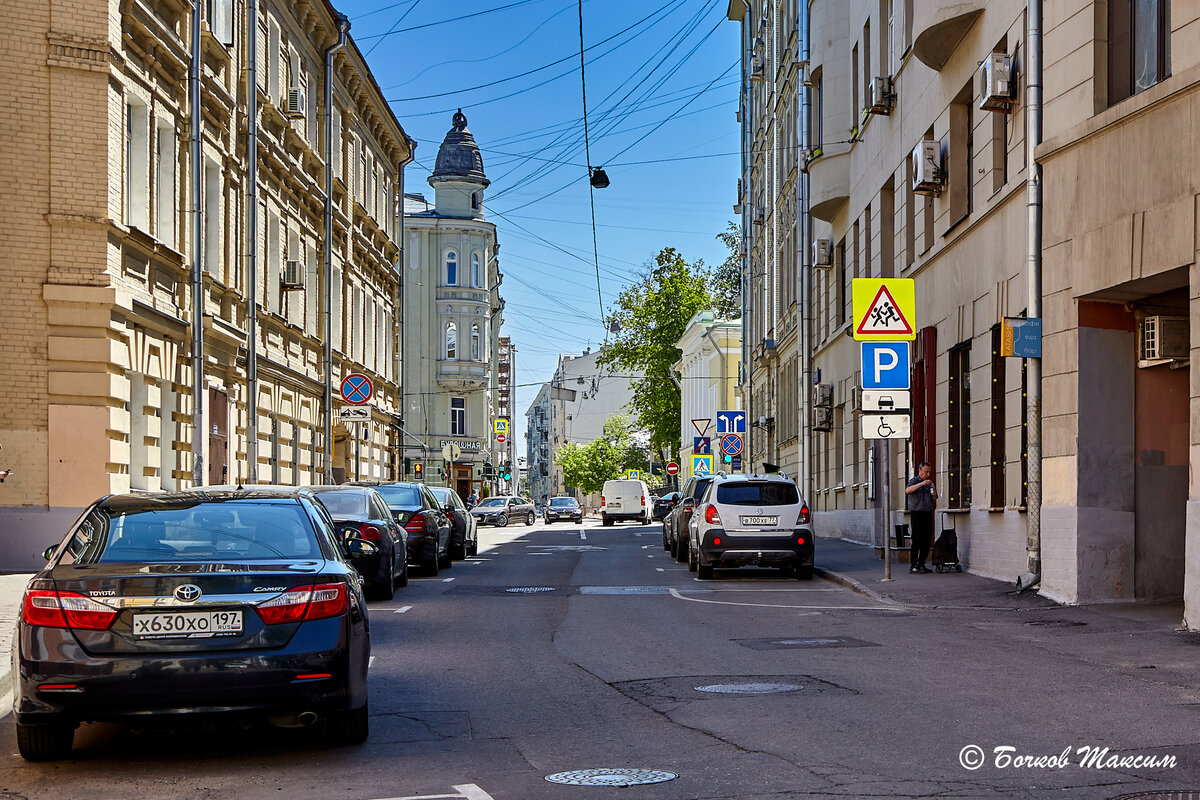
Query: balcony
x=829, y=185
x=938, y=27
x=460, y=293
x=461, y=374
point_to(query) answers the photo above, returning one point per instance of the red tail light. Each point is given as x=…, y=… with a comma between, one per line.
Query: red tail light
x=50, y=609
x=416, y=524
x=369, y=532
x=805, y=515
x=711, y=516
x=643, y=501
x=717, y=541
x=799, y=540
x=304, y=603
x=602, y=501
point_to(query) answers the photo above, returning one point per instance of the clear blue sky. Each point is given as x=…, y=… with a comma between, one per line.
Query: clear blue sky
x=661, y=58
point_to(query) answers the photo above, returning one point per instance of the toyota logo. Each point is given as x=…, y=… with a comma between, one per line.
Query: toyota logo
x=188, y=593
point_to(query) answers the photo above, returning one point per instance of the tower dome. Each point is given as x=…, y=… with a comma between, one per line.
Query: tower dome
x=458, y=158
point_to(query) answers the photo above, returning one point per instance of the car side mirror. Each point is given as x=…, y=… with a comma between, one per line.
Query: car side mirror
x=49, y=552
x=357, y=547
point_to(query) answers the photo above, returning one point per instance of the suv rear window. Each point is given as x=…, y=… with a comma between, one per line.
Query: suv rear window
x=400, y=496
x=766, y=493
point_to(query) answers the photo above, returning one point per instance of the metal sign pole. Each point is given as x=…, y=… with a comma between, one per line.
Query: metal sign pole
x=885, y=496
x=357, y=449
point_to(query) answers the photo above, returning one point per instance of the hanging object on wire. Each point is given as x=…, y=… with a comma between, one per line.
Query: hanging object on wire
x=599, y=178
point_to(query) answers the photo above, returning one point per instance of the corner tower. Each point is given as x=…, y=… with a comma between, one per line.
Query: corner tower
x=458, y=180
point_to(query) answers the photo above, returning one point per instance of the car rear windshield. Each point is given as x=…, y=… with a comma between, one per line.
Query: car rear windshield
x=400, y=496
x=345, y=504
x=766, y=493
x=228, y=530
x=564, y=502
x=492, y=501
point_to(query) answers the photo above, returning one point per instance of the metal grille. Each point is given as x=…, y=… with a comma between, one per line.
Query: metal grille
x=749, y=688
x=529, y=589
x=619, y=777
x=1172, y=795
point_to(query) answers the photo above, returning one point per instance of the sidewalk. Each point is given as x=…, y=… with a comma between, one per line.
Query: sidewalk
x=12, y=588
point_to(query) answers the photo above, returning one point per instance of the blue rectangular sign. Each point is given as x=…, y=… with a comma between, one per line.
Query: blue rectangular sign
x=702, y=445
x=731, y=422
x=885, y=365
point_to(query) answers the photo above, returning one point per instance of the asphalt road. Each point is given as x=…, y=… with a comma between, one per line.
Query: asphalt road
x=566, y=648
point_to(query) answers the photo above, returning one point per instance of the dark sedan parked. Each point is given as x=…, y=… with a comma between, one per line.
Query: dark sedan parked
x=211, y=604
x=675, y=526
x=414, y=506
x=664, y=504
x=464, y=532
x=564, y=508
x=503, y=509
x=359, y=511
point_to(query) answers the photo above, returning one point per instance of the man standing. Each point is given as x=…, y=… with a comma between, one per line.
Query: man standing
x=921, y=495
x=472, y=499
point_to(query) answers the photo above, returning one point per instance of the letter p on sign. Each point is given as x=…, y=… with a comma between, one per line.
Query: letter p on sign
x=885, y=365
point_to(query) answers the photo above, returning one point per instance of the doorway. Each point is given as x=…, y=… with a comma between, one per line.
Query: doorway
x=218, y=437
x=462, y=480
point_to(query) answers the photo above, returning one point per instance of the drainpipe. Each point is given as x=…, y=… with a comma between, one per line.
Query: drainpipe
x=252, y=249
x=398, y=334
x=1033, y=186
x=198, y=426
x=748, y=236
x=804, y=390
x=343, y=26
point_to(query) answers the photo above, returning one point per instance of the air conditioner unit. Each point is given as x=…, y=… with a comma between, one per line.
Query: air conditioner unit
x=759, y=214
x=823, y=419
x=757, y=70
x=293, y=275
x=806, y=75
x=927, y=170
x=996, y=83
x=824, y=395
x=295, y=104
x=1163, y=338
x=882, y=97
x=822, y=253
x=855, y=398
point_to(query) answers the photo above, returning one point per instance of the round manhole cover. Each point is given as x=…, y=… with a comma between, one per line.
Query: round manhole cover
x=611, y=777
x=1175, y=795
x=529, y=589
x=810, y=642
x=749, y=688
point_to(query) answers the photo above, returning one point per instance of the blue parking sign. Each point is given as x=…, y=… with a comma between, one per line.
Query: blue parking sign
x=885, y=365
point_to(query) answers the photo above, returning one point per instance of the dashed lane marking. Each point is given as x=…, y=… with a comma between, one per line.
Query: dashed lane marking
x=467, y=791
x=402, y=610
x=447, y=580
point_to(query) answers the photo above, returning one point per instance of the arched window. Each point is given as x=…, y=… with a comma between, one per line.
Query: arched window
x=451, y=341
x=475, y=269
x=451, y=268
x=475, y=342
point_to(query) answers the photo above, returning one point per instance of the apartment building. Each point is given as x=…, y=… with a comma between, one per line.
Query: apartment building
x=708, y=371
x=112, y=359
x=537, y=447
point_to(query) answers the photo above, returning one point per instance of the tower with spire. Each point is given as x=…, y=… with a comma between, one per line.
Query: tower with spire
x=458, y=179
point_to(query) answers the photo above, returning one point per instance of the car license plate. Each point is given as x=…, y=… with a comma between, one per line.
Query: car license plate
x=760, y=520
x=187, y=624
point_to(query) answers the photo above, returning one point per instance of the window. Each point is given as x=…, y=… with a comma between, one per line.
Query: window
x=999, y=432
x=887, y=36
x=855, y=108
x=166, y=435
x=458, y=416
x=910, y=215
x=475, y=269
x=164, y=183
x=212, y=219
x=1139, y=46
x=475, y=201
x=137, y=164
x=840, y=289
x=815, y=111
x=959, y=455
x=959, y=161
x=336, y=143
x=475, y=342
x=451, y=341
x=451, y=268
x=219, y=14
x=274, y=62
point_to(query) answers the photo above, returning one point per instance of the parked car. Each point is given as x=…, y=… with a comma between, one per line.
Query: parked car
x=563, y=508
x=222, y=604
x=464, y=531
x=360, y=511
x=664, y=504
x=502, y=509
x=675, y=526
x=414, y=506
x=744, y=520
x=625, y=500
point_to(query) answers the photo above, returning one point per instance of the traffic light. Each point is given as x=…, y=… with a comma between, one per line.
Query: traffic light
x=419, y=470
x=506, y=471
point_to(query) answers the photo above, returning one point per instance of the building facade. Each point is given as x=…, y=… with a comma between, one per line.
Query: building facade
x=708, y=373
x=538, y=453
x=117, y=221
x=452, y=318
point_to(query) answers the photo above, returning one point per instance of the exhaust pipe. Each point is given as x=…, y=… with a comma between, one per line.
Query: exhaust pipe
x=306, y=718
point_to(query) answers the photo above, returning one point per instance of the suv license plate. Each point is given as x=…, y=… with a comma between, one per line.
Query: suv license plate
x=187, y=624
x=760, y=520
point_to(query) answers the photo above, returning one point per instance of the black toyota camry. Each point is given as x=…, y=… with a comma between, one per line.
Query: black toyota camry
x=206, y=604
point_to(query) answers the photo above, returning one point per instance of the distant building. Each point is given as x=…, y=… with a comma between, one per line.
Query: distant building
x=708, y=369
x=537, y=446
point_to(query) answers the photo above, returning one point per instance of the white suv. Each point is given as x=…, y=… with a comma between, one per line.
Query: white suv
x=744, y=520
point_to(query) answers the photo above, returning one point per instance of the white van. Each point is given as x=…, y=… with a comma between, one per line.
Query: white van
x=626, y=499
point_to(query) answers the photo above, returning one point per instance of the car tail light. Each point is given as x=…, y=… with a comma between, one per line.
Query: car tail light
x=711, y=516
x=717, y=540
x=643, y=501
x=304, y=603
x=49, y=609
x=416, y=524
x=602, y=501
x=805, y=515
x=369, y=532
x=799, y=540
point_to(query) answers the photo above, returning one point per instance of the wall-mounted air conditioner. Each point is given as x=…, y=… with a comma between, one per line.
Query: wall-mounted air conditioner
x=295, y=104
x=757, y=70
x=822, y=254
x=882, y=96
x=996, y=84
x=823, y=419
x=759, y=214
x=1162, y=338
x=824, y=395
x=927, y=168
x=293, y=275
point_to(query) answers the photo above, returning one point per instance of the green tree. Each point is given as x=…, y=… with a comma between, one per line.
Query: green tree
x=727, y=278
x=650, y=318
x=587, y=466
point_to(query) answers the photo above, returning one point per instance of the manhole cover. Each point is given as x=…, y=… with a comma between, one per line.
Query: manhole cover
x=749, y=688
x=1055, y=623
x=1187, y=795
x=611, y=777
x=529, y=589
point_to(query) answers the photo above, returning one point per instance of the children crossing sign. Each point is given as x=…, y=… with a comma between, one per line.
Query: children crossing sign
x=884, y=309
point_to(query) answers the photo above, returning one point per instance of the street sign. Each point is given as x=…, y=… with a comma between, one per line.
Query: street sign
x=886, y=401
x=702, y=465
x=500, y=426
x=357, y=389
x=702, y=445
x=886, y=426
x=885, y=365
x=731, y=422
x=731, y=444
x=884, y=309
x=500, y=437
x=1021, y=337
x=672, y=468
x=451, y=451
x=736, y=465
x=634, y=475
x=354, y=414
x=701, y=426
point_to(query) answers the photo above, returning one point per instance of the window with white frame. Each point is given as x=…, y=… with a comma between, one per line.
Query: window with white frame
x=451, y=341
x=212, y=219
x=475, y=269
x=336, y=143
x=137, y=164
x=274, y=61
x=475, y=342
x=164, y=183
x=219, y=15
x=451, y=268
x=458, y=416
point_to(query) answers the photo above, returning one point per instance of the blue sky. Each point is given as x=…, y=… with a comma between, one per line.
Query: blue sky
x=664, y=70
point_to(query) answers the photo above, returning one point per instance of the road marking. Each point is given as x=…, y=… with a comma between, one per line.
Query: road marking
x=403, y=610
x=370, y=662
x=675, y=593
x=466, y=792
x=447, y=580
x=539, y=554
x=582, y=535
x=659, y=569
x=646, y=546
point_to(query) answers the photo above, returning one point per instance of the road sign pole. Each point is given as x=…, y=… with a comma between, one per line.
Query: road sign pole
x=886, y=495
x=357, y=449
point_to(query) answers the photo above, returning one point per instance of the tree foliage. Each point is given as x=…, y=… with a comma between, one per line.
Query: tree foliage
x=727, y=278
x=587, y=466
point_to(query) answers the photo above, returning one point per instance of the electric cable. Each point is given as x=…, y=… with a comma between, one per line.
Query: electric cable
x=588, y=155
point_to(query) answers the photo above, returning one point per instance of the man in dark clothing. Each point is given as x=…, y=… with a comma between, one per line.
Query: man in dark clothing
x=920, y=498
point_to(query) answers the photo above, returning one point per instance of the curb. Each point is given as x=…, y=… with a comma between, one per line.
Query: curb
x=847, y=582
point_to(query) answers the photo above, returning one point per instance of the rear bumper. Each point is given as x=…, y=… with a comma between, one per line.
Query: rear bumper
x=619, y=515
x=765, y=550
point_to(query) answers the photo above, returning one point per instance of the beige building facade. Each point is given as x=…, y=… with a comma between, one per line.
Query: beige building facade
x=708, y=379
x=102, y=219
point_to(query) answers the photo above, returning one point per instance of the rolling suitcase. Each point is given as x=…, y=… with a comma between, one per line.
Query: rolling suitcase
x=945, y=549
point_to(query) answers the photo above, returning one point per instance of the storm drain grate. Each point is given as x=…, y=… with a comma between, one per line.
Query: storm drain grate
x=620, y=777
x=1174, y=795
x=797, y=642
x=749, y=688
x=529, y=589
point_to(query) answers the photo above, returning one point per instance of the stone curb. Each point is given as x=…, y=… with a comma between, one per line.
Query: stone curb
x=855, y=586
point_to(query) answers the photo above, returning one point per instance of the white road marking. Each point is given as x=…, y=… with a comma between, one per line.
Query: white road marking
x=447, y=580
x=659, y=569
x=370, y=662
x=676, y=594
x=582, y=535
x=402, y=610
x=467, y=791
x=472, y=792
x=539, y=554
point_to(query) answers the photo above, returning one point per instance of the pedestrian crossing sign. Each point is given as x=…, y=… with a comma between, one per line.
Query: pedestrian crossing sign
x=702, y=465
x=884, y=309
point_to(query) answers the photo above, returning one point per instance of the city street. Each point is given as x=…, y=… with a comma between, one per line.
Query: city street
x=569, y=648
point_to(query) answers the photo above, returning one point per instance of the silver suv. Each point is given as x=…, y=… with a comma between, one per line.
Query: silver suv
x=751, y=520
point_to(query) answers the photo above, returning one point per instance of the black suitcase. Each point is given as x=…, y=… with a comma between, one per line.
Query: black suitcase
x=945, y=549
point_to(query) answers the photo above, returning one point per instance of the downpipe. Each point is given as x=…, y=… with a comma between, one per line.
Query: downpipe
x=194, y=135
x=1033, y=421
x=343, y=25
